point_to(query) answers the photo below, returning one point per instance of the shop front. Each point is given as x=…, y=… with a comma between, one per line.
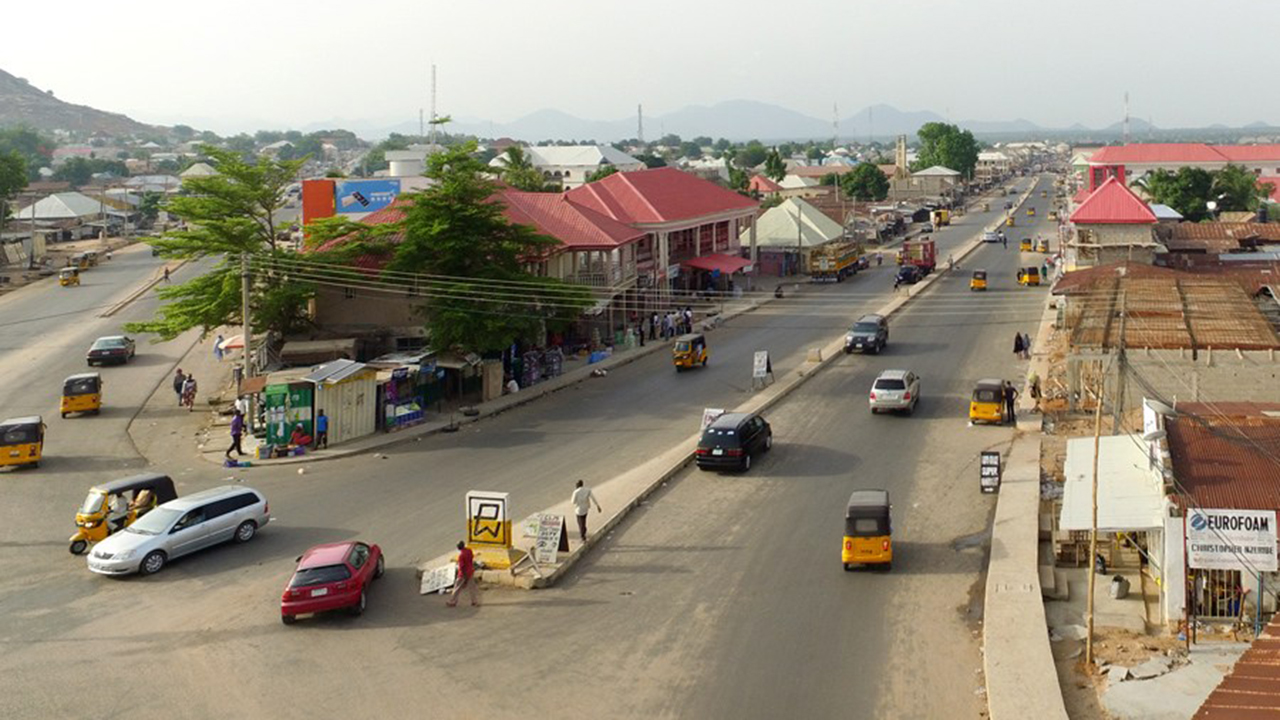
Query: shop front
x=408, y=384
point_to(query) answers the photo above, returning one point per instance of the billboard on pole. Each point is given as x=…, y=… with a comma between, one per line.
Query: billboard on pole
x=364, y=196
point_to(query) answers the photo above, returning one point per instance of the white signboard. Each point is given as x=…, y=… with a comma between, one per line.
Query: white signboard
x=440, y=579
x=1242, y=540
x=709, y=416
x=550, y=530
x=761, y=368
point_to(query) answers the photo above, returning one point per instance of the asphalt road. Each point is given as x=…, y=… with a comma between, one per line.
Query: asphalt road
x=701, y=618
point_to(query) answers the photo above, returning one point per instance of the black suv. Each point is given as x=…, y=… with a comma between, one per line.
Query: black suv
x=869, y=334
x=730, y=442
x=909, y=275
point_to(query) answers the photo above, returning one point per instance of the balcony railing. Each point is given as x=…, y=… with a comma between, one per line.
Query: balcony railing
x=614, y=277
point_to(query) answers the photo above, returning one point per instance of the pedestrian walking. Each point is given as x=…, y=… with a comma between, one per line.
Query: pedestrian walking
x=166, y=273
x=217, y=347
x=879, y=258
x=582, y=500
x=189, y=392
x=466, y=577
x=896, y=282
x=237, y=431
x=1026, y=346
x=1010, y=398
x=1017, y=345
x=178, y=380
x=322, y=429
x=640, y=334
x=1033, y=387
x=1004, y=241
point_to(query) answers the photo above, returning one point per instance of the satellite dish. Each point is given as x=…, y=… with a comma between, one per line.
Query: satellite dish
x=1159, y=407
x=1157, y=435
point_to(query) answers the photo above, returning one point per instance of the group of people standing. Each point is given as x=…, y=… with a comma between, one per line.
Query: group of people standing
x=1022, y=346
x=672, y=323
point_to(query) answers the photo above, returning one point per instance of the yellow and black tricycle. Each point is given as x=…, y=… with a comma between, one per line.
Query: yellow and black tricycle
x=114, y=506
x=82, y=394
x=689, y=351
x=868, y=532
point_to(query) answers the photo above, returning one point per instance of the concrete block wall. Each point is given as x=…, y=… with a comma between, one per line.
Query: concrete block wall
x=1214, y=376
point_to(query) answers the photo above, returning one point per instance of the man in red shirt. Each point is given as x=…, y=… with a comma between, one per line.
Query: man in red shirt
x=466, y=577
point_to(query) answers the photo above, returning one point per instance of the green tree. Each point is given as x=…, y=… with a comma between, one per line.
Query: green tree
x=1235, y=188
x=775, y=168
x=703, y=141
x=670, y=140
x=80, y=171
x=691, y=150
x=1187, y=190
x=183, y=132
x=454, y=229
x=651, y=161
x=604, y=171
x=948, y=146
x=241, y=143
x=13, y=177
x=149, y=206
x=226, y=215
x=814, y=152
x=722, y=145
x=751, y=155
x=739, y=179
x=865, y=182
x=518, y=171
x=35, y=149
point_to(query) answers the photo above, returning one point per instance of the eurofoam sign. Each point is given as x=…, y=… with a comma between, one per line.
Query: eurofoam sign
x=1243, y=540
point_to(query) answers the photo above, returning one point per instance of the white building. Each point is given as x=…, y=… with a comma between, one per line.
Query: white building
x=570, y=165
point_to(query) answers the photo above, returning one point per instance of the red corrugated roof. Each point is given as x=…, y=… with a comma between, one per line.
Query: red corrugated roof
x=658, y=195
x=1087, y=279
x=575, y=226
x=1249, y=153
x=1113, y=204
x=1251, y=690
x=1228, y=454
x=762, y=184
x=1143, y=153
x=1081, y=195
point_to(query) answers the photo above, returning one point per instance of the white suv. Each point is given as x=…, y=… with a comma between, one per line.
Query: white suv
x=895, y=390
x=180, y=527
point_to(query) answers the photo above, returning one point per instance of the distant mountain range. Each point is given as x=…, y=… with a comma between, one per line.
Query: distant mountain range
x=22, y=103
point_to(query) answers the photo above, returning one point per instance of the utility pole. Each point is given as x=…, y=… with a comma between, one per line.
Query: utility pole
x=246, y=327
x=640, y=123
x=1093, y=526
x=434, y=124
x=1117, y=404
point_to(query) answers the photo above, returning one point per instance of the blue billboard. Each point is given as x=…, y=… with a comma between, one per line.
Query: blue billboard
x=364, y=196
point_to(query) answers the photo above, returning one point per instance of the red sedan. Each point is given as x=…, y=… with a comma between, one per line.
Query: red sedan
x=331, y=577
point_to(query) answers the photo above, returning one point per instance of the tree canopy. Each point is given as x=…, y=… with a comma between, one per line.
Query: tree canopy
x=604, y=171
x=35, y=149
x=751, y=154
x=79, y=171
x=1190, y=189
x=775, y=168
x=484, y=298
x=518, y=171
x=13, y=177
x=227, y=214
x=865, y=182
x=948, y=146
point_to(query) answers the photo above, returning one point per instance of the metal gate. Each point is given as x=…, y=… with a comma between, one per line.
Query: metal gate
x=1218, y=594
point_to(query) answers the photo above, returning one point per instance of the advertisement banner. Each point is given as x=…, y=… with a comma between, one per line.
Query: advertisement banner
x=1242, y=540
x=364, y=196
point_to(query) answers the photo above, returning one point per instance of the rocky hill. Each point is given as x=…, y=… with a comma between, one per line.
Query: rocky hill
x=21, y=103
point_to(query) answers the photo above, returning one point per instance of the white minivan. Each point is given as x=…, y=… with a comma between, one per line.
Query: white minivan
x=180, y=527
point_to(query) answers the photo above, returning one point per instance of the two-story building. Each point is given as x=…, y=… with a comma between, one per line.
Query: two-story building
x=1111, y=224
x=571, y=165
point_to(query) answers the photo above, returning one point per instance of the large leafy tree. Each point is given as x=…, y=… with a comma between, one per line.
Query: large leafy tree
x=30, y=145
x=79, y=171
x=226, y=215
x=1187, y=190
x=13, y=177
x=1235, y=188
x=865, y=182
x=751, y=154
x=481, y=298
x=946, y=145
x=775, y=168
x=602, y=172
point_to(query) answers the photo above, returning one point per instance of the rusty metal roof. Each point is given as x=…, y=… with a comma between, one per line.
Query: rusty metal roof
x=1220, y=237
x=1227, y=455
x=1162, y=309
x=1251, y=691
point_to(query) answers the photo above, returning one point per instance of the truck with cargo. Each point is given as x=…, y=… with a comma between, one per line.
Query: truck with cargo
x=835, y=261
x=922, y=253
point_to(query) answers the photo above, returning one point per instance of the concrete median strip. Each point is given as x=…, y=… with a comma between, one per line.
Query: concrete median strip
x=142, y=289
x=624, y=492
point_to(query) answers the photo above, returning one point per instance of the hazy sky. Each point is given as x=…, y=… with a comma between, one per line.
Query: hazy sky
x=233, y=65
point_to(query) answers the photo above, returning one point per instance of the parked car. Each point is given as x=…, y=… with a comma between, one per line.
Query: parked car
x=180, y=527
x=113, y=348
x=909, y=275
x=732, y=441
x=927, y=227
x=335, y=576
x=895, y=390
x=869, y=334
x=990, y=236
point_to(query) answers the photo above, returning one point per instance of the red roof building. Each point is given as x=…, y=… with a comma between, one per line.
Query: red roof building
x=1113, y=204
x=660, y=196
x=762, y=185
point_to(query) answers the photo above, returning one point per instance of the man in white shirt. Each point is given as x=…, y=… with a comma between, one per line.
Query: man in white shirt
x=582, y=500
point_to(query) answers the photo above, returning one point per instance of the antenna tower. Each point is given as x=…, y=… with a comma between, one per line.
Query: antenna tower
x=835, y=126
x=433, y=104
x=640, y=123
x=1126, y=117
